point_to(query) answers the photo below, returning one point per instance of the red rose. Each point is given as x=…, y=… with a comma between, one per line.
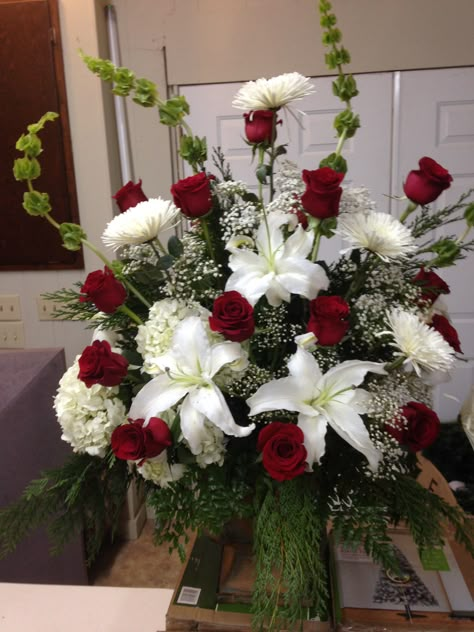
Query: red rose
x=431, y=285
x=444, y=327
x=157, y=437
x=98, y=364
x=329, y=319
x=323, y=193
x=129, y=196
x=103, y=289
x=258, y=126
x=136, y=442
x=232, y=316
x=424, y=185
x=193, y=195
x=128, y=442
x=419, y=429
x=284, y=455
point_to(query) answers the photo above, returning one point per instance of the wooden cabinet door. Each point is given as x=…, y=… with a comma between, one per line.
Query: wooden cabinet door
x=31, y=83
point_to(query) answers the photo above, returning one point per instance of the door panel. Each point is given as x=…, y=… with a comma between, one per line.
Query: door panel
x=437, y=120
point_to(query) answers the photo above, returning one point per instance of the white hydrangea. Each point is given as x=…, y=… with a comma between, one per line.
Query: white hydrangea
x=154, y=337
x=212, y=447
x=160, y=472
x=87, y=416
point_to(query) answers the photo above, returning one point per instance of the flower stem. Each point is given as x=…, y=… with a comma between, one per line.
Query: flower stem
x=207, y=237
x=408, y=211
x=462, y=237
x=131, y=314
x=317, y=240
x=340, y=142
x=396, y=364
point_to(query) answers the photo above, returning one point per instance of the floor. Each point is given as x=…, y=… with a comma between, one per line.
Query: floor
x=137, y=563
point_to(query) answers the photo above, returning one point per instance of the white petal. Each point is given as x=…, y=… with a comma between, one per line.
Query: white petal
x=192, y=426
x=302, y=277
x=283, y=394
x=155, y=397
x=269, y=236
x=276, y=293
x=246, y=259
x=304, y=367
x=350, y=373
x=299, y=244
x=224, y=353
x=314, y=430
x=350, y=426
x=191, y=345
x=210, y=402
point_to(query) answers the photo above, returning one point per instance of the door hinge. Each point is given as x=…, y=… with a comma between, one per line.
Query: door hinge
x=52, y=35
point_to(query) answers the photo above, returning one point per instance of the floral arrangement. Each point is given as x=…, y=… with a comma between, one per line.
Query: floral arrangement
x=237, y=374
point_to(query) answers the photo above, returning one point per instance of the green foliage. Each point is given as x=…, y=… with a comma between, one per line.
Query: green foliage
x=194, y=150
x=146, y=93
x=72, y=235
x=36, y=203
x=29, y=144
x=428, y=219
x=201, y=499
x=34, y=128
x=175, y=247
x=173, y=111
x=447, y=251
x=26, y=169
x=469, y=215
x=289, y=541
x=347, y=123
x=85, y=493
x=336, y=162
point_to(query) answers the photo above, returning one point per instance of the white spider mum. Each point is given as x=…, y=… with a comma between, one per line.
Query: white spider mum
x=268, y=94
x=379, y=233
x=423, y=348
x=140, y=224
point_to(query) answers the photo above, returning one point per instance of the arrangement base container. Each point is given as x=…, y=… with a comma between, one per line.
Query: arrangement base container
x=213, y=592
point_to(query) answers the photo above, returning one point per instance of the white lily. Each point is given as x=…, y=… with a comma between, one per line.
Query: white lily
x=188, y=370
x=321, y=400
x=280, y=267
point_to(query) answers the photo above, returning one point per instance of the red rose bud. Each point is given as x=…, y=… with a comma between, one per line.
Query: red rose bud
x=232, y=316
x=329, y=319
x=444, y=327
x=424, y=185
x=258, y=126
x=323, y=193
x=193, y=195
x=283, y=452
x=98, y=364
x=157, y=437
x=129, y=196
x=431, y=285
x=128, y=442
x=420, y=428
x=103, y=289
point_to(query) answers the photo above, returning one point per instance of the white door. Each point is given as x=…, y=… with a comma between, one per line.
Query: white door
x=436, y=119
x=310, y=134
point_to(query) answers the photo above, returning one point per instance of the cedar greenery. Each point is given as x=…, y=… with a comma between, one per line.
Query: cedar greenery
x=86, y=493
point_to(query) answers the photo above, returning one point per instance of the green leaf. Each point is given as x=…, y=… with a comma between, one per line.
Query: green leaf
x=165, y=262
x=280, y=150
x=250, y=197
x=36, y=203
x=146, y=93
x=72, y=235
x=328, y=226
x=26, y=169
x=173, y=111
x=469, y=215
x=193, y=149
x=34, y=128
x=30, y=144
x=124, y=81
x=261, y=172
x=338, y=163
x=175, y=247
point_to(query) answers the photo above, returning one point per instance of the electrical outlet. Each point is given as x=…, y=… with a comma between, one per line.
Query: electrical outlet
x=12, y=335
x=10, y=307
x=46, y=308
